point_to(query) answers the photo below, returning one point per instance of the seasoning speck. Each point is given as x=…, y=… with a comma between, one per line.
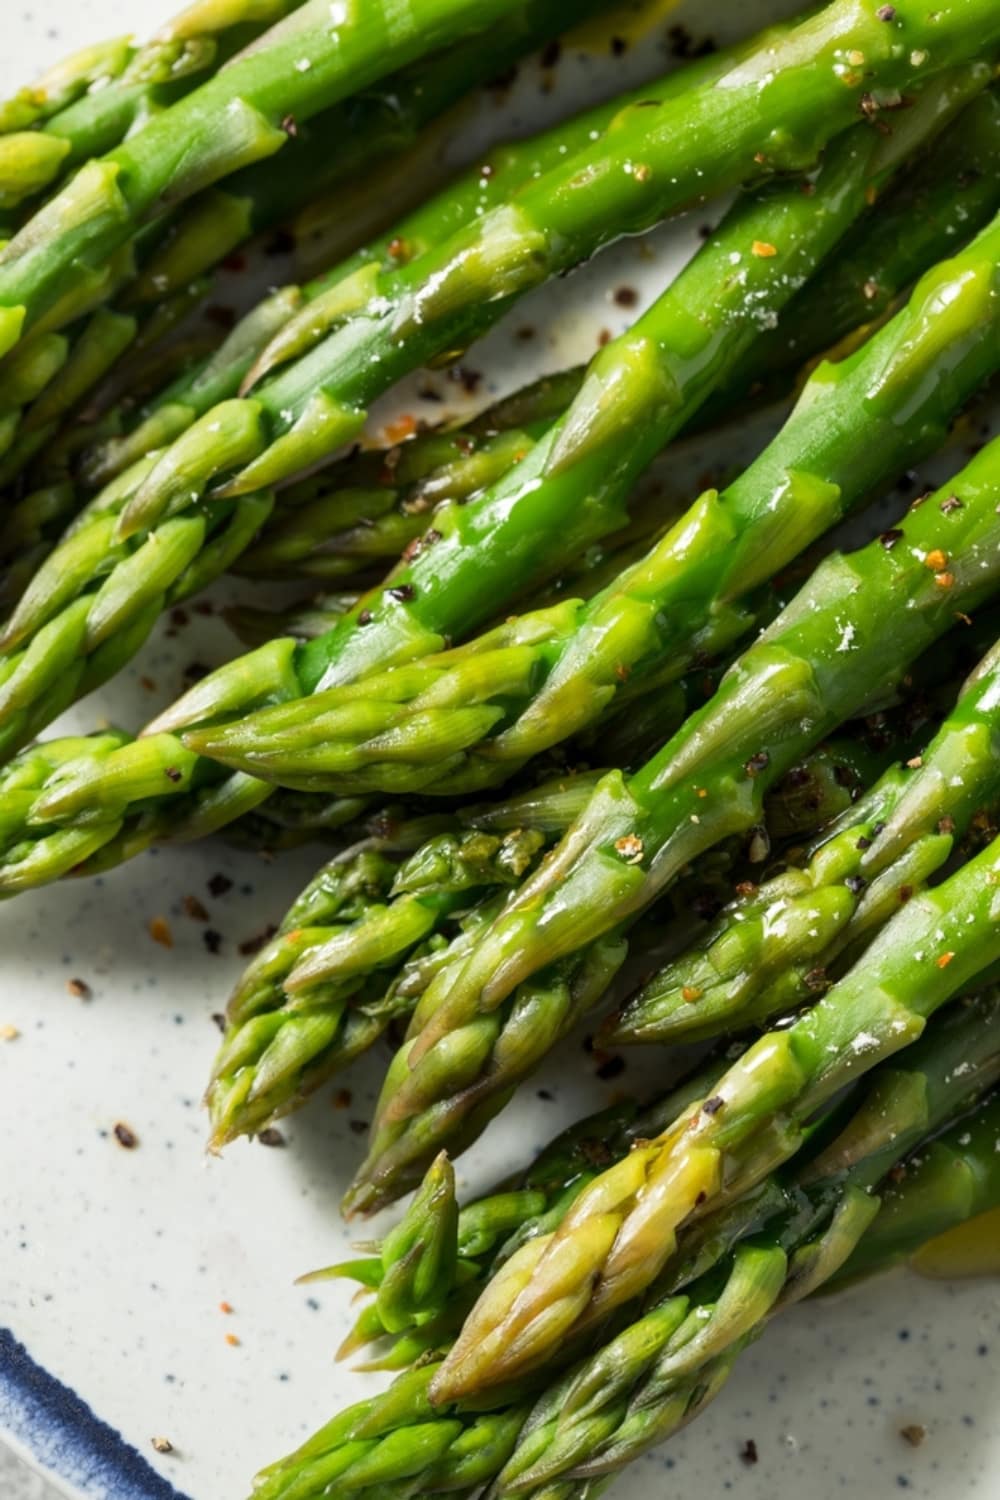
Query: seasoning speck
x=270, y=1137
x=630, y=848
x=194, y=909
x=944, y=959
x=232, y=1340
x=9, y=1033
x=79, y=989
x=914, y=1434
x=162, y=1445
x=126, y=1136
x=763, y=249
x=749, y=1454
x=159, y=931
x=626, y=296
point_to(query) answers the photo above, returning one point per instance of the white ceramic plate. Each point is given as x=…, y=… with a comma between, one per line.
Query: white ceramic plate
x=114, y=1264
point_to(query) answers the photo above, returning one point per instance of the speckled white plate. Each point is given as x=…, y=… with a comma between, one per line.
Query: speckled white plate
x=148, y=1293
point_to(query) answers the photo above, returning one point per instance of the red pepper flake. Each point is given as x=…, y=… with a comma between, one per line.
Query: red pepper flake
x=194, y=909
x=691, y=993
x=944, y=580
x=232, y=1340
x=763, y=249
x=79, y=989
x=936, y=560
x=402, y=428
x=397, y=249
x=159, y=931
x=944, y=959
x=126, y=1136
x=227, y=1308
x=905, y=893
x=630, y=848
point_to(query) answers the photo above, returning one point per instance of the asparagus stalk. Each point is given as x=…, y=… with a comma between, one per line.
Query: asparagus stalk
x=772, y=951
x=391, y=119
x=479, y=1030
x=87, y=104
x=945, y=198
x=661, y=1368
x=457, y=290
x=300, y=68
x=470, y=716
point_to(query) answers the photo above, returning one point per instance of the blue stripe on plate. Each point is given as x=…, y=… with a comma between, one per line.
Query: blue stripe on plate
x=66, y=1437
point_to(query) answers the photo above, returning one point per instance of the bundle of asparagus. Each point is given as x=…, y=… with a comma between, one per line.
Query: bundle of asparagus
x=709, y=725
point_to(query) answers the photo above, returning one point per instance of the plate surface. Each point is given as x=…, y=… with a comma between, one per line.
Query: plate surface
x=116, y=1263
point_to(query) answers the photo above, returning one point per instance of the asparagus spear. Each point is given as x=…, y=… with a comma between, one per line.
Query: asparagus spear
x=479, y=1030
x=86, y=105
x=457, y=290
x=661, y=1368
x=771, y=951
x=301, y=67
x=950, y=194
x=468, y=717
x=368, y=128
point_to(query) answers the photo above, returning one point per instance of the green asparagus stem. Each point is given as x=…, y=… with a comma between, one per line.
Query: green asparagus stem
x=391, y=119
x=772, y=951
x=480, y=1029
x=955, y=1179
x=86, y=105
x=623, y=1228
x=469, y=717
x=438, y=303
x=670, y=1358
x=301, y=67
